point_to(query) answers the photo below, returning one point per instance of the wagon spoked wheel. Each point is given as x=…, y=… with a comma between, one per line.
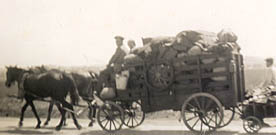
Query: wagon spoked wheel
x=202, y=112
x=133, y=115
x=110, y=117
x=159, y=76
x=229, y=114
x=252, y=124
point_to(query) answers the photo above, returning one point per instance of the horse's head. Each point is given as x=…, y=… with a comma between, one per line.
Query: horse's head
x=12, y=75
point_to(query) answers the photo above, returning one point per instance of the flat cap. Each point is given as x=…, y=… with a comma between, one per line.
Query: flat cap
x=119, y=38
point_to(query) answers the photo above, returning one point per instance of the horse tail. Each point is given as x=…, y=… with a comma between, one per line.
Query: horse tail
x=73, y=90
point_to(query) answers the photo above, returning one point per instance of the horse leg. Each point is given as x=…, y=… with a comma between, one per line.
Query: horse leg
x=62, y=111
x=36, y=115
x=64, y=121
x=22, y=114
x=91, y=115
x=69, y=106
x=49, y=113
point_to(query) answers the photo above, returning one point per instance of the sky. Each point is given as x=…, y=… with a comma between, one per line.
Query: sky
x=81, y=32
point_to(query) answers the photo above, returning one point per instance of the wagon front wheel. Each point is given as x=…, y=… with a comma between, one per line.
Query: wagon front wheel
x=110, y=117
x=134, y=115
x=202, y=112
x=252, y=124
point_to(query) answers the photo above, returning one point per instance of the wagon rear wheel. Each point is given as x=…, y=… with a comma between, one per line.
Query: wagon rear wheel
x=110, y=117
x=202, y=112
x=252, y=124
x=133, y=115
x=159, y=76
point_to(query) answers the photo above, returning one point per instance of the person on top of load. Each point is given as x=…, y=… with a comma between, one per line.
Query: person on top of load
x=114, y=66
x=131, y=44
x=262, y=94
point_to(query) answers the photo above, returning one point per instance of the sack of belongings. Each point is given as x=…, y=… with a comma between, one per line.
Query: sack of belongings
x=187, y=39
x=132, y=59
x=155, y=48
x=261, y=95
x=226, y=35
x=107, y=93
x=184, y=44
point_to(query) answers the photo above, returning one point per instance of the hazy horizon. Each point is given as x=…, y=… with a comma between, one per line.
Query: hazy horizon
x=80, y=33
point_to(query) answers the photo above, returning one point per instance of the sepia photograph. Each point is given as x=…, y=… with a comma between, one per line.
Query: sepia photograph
x=137, y=67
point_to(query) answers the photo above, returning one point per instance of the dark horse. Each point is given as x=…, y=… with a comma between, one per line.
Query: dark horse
x=86, y=85
x=55, y=85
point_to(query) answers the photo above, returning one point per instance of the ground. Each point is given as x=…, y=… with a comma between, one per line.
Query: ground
x=161, y=126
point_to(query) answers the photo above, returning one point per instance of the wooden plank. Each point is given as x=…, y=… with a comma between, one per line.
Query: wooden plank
x=185, y=68
x=188, y=86
x=185, y=77
x=188, y=58
x=218, y=83
x=215, y=65
x=216, y=74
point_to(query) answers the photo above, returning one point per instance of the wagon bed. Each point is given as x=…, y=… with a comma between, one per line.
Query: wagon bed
x=184, y=80
x=189, y=84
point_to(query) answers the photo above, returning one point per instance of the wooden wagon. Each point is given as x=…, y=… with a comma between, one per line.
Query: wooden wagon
x=188, y=84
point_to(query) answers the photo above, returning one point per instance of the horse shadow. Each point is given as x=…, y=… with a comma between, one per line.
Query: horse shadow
x=25, y=132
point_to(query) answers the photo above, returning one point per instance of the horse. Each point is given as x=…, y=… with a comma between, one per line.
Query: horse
x=55, y=85
x=86, y=85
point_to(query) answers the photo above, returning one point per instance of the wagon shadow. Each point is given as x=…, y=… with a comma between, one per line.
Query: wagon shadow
x=165, y=132
x=25, y=132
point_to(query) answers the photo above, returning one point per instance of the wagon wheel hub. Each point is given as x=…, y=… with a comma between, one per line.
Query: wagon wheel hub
x=202, y=113
x=158, y=75
x=131, y=114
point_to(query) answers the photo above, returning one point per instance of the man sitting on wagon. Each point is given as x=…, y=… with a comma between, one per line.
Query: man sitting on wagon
x=114, y=66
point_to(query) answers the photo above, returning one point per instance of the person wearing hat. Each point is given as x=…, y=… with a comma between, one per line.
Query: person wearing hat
x=270, y=77
x=118, y=57
x=114, y=65
x=268, y=82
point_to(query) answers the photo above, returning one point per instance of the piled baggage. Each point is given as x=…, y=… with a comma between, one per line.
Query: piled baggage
x=186, y=43
x=261, y=95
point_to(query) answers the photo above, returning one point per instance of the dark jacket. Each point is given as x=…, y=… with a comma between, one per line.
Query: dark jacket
x=118, y=56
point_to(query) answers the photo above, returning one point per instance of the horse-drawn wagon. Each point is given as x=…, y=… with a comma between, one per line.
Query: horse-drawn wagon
x=188, y=84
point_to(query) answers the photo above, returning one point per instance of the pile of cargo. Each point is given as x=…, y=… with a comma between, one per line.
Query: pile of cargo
x=185, y=43
x=261, y=95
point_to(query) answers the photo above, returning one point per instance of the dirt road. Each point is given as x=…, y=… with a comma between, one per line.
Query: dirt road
x=8, y=126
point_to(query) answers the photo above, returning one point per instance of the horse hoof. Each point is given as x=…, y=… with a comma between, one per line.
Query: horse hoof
x=46, y=123
x=20, y=124
x=90, y=124
x=58, y=128
x=79, y=127
x=37, y=127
